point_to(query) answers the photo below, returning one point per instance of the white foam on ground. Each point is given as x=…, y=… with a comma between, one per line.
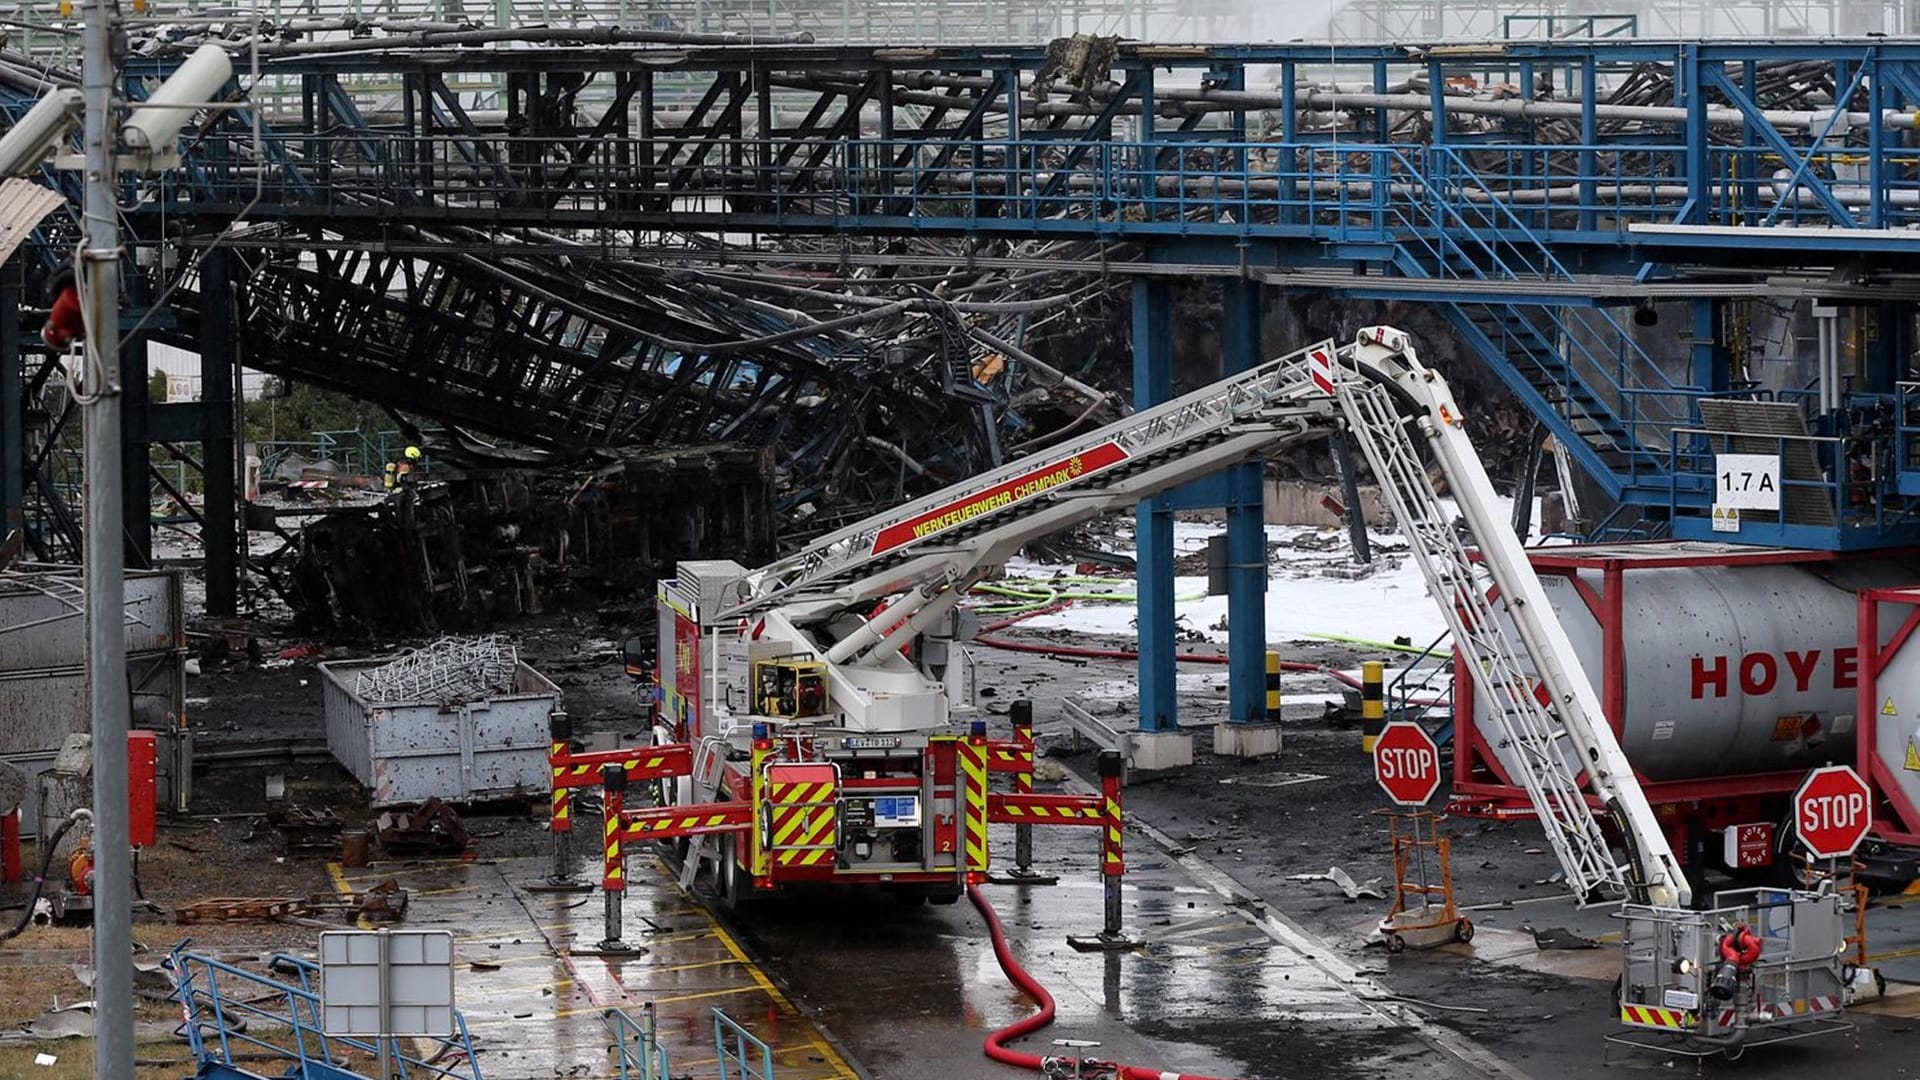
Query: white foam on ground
x=1390, y=602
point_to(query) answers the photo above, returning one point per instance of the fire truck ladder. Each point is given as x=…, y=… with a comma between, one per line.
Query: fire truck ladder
x=709, y=761
x=937, y=541
x=1554, y=723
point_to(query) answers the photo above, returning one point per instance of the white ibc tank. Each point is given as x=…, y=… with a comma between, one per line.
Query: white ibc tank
x=1727, y=669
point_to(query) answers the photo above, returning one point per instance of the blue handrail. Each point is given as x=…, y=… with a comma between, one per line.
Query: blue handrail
x=1400, y=703
x=638, y=1053
x=742, y=1055
x=224, y=1005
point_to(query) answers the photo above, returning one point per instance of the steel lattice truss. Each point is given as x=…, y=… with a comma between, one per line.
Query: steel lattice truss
x=445, y=217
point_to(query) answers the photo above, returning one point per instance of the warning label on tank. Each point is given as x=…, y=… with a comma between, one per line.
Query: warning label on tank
x=1913, y=757
x=1888, y=709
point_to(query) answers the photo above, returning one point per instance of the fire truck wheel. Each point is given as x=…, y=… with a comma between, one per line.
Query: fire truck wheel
x=945, y=897
x=675, y=849
x=730, y=884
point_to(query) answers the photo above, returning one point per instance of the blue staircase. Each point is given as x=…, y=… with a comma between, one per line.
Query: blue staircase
x=1569, y=362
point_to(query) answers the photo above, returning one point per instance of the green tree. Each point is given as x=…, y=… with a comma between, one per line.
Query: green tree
x=291, y=410
x=157, y=387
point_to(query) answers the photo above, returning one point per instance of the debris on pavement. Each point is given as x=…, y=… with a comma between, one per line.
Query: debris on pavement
x=1354, y=890
x=431, y=829
x=1555, y=937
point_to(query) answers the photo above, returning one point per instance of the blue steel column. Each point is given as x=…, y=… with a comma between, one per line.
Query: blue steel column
x=1693, y=97
x=1153, y=518
x=1712, y=361
x=1246, y=528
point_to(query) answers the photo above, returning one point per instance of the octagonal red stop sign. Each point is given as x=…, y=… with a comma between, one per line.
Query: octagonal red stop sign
x=1407, y=763
x=1832, y=811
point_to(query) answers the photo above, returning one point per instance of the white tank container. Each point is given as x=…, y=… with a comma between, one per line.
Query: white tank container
x=1725, y=669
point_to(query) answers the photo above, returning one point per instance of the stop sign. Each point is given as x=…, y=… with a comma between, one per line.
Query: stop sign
x=1831, y=811
x=1407, y=763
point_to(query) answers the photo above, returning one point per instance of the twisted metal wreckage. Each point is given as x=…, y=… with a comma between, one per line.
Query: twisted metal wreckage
x=522, y=234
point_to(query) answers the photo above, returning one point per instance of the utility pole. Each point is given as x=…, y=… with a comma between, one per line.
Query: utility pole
x=99, y=275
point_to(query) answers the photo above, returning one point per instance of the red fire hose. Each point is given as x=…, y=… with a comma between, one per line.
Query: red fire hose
x=996, y=1047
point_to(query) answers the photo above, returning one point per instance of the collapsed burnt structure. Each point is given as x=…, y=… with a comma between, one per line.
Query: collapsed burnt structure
x=490, y=543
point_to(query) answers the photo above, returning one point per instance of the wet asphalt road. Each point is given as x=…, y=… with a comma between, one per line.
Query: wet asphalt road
x=1216, y=989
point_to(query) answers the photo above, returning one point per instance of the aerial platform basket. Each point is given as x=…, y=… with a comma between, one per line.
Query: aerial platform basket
x=1671, y=1000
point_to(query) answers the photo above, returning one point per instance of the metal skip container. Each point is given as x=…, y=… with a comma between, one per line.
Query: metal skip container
x=491, y=747
x=43, y=671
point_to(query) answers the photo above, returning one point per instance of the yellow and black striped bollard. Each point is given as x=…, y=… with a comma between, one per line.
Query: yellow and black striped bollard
x=1373, y=703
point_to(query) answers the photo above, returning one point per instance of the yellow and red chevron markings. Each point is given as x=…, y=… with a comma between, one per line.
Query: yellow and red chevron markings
x=666, y=822
x=572, y=770
x=1029, y=809
x=1654, y=1016
x=972, y=756
x=801, y=801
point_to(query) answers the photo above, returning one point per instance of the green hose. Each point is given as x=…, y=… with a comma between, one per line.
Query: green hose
x=1389, y=646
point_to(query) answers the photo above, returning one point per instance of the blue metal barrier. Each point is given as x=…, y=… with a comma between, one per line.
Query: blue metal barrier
x=230, y=1013
x=742, y=1055
x=638, y=1054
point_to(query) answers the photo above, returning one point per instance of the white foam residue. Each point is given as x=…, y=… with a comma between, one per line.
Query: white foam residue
x=1302, y=601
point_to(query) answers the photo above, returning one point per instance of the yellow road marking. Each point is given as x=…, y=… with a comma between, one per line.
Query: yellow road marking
x=703, y=995
x=692, y=967
x=777, y=1051
x=826, y=1051
x=341, y=886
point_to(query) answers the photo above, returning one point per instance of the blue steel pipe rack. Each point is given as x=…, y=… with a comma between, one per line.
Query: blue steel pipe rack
x=1529, y=231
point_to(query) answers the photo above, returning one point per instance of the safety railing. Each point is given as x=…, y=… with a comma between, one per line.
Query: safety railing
x=1836, y=490
x=1678, y=980
x=1591, y=192
x=1906, y=430
x=638, y=1052
x=1429, y=674
x=741, y=1053
x=234, y=1016
x=353, y=451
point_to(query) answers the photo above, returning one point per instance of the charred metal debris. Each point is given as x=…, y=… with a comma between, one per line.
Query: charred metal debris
x=484, y=543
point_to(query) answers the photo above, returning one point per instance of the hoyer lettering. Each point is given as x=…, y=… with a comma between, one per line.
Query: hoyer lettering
x=1759, y=673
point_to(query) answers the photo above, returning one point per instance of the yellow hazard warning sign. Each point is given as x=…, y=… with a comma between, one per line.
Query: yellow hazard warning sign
x=1887, y=708
x=1913, y=757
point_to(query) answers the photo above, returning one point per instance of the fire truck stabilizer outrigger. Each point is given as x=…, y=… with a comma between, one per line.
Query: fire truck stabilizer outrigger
x=816, y=720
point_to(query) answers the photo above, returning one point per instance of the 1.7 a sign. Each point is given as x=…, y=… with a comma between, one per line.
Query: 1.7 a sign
x=1746, y=481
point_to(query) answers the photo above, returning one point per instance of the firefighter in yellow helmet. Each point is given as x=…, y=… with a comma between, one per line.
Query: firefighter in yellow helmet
x=399, y=473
